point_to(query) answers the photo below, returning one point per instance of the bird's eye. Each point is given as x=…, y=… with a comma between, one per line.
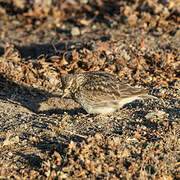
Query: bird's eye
x=68, y=88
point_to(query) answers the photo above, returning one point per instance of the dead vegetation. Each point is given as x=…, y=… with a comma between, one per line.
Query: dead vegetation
x=45, y=137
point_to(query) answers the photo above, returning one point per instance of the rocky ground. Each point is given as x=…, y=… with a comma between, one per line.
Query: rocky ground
x=43, y=136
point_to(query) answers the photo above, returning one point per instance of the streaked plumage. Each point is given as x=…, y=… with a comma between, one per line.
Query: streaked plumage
x=99, y=92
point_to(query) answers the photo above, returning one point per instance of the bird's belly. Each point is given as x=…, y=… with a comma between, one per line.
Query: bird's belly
x=100, y=107
x=105, y=107
x=103, y=110
x=127, y=100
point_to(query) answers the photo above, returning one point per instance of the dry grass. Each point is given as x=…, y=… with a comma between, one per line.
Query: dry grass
x=43, y=136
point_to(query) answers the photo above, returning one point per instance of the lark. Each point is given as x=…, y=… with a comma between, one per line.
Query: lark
x=99, y=92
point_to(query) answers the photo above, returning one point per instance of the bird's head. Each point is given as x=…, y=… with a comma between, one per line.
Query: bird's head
x=67, y=84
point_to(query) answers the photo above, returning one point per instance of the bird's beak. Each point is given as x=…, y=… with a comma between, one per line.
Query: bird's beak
x=65, y=94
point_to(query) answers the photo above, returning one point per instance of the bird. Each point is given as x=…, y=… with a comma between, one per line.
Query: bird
x=99, y=92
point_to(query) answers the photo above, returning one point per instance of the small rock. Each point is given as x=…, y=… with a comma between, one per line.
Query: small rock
x=75, y=31
x=155, y=115
x=132, y=20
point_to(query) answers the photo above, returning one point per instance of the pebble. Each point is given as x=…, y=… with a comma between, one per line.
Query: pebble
x=75, y=31
x=155, y=114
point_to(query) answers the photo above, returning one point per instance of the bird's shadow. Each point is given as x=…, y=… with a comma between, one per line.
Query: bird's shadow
x=31, y=98
x=71, y=112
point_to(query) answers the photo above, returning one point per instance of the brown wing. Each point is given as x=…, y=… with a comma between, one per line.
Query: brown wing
x=128, y=91
x=101, y=86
